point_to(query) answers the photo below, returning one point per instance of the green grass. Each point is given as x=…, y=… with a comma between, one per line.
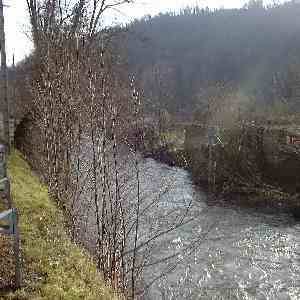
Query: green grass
x=53, y=266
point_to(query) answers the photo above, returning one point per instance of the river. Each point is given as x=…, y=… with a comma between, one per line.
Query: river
x=220, y=253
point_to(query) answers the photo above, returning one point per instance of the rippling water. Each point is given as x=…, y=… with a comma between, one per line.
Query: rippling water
x=227, y=253
x=220, y=253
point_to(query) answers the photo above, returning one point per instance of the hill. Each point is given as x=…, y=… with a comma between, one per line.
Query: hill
x=253, y=50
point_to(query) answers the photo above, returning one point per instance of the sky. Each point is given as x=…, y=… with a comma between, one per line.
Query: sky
x=18, y=31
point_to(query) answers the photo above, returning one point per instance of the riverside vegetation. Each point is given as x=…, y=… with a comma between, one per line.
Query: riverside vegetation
x=53, y=266
x=82, y=114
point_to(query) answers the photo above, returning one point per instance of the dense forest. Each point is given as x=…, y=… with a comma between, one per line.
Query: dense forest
x=182, y=61
x=254, y=50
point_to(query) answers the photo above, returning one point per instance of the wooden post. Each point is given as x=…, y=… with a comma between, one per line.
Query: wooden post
x=210, y=166
x=211, y=160
x=5, y=104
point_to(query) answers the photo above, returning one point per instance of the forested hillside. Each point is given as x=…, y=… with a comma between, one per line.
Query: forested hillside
x=254, y=51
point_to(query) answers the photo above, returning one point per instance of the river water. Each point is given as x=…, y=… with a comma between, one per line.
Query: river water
x=218, y=252
x=227, y=253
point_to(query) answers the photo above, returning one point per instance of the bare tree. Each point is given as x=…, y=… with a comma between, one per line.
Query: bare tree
x=86, y=114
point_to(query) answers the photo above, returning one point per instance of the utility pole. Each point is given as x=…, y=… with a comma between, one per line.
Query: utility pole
x=5, y=104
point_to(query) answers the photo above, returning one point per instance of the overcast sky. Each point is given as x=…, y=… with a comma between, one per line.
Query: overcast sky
x=17, y=26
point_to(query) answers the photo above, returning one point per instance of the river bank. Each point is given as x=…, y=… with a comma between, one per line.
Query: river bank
x=267, y=194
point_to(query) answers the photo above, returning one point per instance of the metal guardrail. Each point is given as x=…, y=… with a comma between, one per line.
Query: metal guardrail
x=9, y=218
x=3, y=184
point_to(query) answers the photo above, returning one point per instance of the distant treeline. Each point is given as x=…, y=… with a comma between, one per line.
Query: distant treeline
x=255, y=50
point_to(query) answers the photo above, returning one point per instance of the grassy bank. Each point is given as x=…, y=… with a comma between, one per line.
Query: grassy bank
x=53, y=267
